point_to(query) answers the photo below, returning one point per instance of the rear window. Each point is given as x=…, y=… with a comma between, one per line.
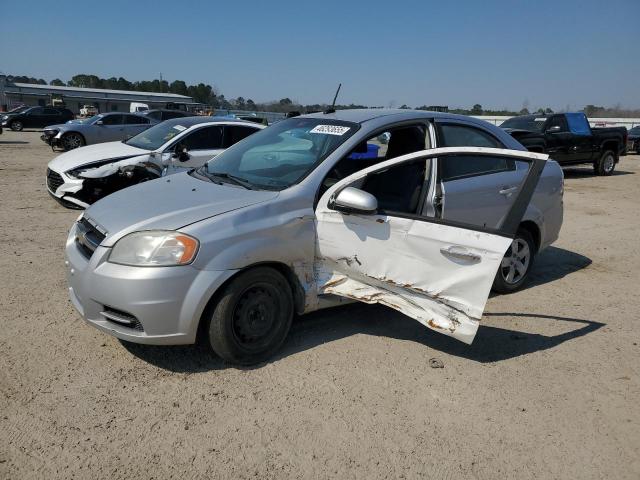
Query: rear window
x=578, y=123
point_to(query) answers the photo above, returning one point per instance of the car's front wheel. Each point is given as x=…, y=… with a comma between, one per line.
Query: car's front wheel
x=16, y=126
x=516, y=263
x=72, y=140
x=252, y=317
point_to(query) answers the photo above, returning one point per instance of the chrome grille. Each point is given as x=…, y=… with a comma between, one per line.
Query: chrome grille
x=88, y=237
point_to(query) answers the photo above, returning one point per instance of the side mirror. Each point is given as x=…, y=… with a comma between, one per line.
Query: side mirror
x=354, y=200
x=180, y=152
x=99, y=122
x=554, y=129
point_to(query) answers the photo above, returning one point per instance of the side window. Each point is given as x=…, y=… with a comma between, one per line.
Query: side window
x=398, y=188
x=135, y=120
x=465, y=136
x=233, y=134
x=112, y=120
x=455, y=167
x=557, y=124
x=51, y=111
x=578, y=123
x=36, y=111
x=206, y=138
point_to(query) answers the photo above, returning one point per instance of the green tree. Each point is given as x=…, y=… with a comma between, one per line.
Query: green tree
x=476, y=109
x=56, y=82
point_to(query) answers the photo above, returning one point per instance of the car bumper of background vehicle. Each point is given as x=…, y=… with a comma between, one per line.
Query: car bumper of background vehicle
x=62, y=188
x=152, y=305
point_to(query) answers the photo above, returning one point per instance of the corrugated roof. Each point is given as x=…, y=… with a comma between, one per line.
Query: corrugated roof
x=95, y=90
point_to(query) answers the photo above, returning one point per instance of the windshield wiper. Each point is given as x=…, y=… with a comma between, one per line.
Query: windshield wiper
x=237, y=180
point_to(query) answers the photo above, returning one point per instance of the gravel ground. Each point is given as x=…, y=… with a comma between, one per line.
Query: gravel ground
x=549, y=389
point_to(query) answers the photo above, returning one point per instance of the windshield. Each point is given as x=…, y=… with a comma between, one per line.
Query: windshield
x=156, y=136
x=279, y=156
x=531, y=123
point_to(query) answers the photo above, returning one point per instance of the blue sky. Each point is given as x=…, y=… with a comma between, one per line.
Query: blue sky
x=456, y=53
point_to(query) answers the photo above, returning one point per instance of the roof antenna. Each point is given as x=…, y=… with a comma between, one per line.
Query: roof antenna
x=332, y=108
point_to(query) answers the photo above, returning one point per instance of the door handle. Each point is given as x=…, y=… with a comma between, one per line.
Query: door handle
x=507, y=190
x=461, y=253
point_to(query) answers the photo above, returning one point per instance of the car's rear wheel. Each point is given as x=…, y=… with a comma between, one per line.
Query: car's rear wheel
x=516, y=263
x=72, y=140
x=606, y=164
x=16, y=126
x=252, y=317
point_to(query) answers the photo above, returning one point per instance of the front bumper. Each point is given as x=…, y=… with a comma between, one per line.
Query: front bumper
x=52, y=139
x=63, y=187
x=166, y=302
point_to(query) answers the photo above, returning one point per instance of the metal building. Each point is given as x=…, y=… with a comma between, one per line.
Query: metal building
x=74, y=98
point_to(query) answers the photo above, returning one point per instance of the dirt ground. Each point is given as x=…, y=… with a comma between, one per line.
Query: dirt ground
x=549, y=389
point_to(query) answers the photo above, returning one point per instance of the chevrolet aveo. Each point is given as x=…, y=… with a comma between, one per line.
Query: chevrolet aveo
x=423, y=212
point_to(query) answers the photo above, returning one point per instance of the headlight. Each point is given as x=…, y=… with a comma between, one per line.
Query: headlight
x=4, y=117
x=154, y=249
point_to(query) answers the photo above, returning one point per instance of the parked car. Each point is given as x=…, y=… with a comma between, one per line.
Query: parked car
x=105, y=127
x=569, y=140
x=80, y=177
x=160, y=115
x=633, y=139
x=88, y=111
x=35, y=117
x=282, y=223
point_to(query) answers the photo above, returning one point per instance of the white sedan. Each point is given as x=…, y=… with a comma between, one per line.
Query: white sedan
x=82, y=176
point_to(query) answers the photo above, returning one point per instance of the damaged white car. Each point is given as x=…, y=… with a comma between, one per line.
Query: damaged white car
x=80, y=177
x=302, y=215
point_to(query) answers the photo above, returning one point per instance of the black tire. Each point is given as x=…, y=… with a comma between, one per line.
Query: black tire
x=509, y=278
x=16, y=126
x=606, y=164
x=252, y=317
x=72, y=140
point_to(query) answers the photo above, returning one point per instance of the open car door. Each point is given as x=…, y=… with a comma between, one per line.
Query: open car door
x=372, y=246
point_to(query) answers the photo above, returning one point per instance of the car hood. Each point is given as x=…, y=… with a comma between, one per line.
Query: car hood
x=168, y=203
x=94, y=153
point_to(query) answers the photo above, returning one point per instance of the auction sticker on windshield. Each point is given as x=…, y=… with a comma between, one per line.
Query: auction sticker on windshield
x=180, y=128
x=330, y=129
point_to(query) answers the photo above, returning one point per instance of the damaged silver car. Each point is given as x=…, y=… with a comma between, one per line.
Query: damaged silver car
x=312, y=212
x=81, y=176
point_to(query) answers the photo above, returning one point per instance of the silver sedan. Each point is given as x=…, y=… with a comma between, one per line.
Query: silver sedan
x=105, y=127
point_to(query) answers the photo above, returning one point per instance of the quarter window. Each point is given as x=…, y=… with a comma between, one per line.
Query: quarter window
x=464, y=136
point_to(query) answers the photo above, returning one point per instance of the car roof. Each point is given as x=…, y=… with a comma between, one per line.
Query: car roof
x=191, y=121
x=361, y=115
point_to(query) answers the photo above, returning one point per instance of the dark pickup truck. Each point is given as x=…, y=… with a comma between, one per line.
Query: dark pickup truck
x=569, y=140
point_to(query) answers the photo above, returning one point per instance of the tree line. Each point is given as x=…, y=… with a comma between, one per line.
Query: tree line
x=209, y=95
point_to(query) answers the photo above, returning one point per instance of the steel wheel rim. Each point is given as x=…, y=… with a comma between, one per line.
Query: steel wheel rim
x=72, y=141
x=255, y=317
x=515, y=262
x=609, y=162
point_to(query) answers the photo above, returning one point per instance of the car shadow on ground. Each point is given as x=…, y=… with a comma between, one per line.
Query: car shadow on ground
x=492, y=344
x=581, y=172
x=554, y=263
x=12, y=142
